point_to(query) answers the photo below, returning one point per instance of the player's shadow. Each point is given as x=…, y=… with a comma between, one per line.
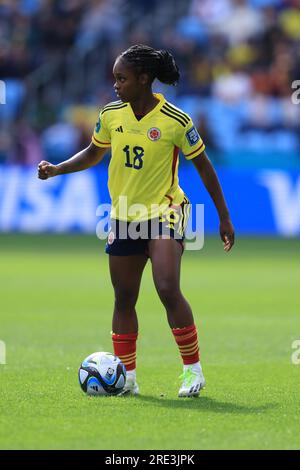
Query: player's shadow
x=205, y=404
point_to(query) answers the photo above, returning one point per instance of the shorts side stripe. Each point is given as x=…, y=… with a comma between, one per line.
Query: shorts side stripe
x=183, y=217
x=186, y=213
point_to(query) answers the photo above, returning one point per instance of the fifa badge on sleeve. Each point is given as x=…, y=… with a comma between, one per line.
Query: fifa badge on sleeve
x=192, y=136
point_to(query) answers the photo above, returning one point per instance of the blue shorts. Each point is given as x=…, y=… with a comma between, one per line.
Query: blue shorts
x=132, y=238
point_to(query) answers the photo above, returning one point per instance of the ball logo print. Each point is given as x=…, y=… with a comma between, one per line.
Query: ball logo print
x=154, y=133
x=102, y=373
x=109, y=373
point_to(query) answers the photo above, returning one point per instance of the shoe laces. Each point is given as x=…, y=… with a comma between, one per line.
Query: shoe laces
x=188, y=376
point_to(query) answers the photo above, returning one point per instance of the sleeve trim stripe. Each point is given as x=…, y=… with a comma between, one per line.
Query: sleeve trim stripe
x=196, y=154
x=113, y=103
x=113, y=108
x=183, y=116
x=99, y=142
x=198, y=150
x=174, y=117
x=174, y=162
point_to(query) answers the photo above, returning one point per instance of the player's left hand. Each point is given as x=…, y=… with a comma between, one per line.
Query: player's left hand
x=227, y=234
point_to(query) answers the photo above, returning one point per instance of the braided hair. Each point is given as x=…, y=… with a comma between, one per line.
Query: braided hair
x=158, y=64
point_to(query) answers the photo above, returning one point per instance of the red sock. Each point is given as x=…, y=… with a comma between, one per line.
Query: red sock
x=187, y=341
x=125, y=348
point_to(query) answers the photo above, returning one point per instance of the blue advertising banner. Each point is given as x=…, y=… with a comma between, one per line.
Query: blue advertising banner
x=261, y=202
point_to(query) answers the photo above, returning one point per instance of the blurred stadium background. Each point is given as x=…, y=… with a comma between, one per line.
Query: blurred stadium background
x=238, y=61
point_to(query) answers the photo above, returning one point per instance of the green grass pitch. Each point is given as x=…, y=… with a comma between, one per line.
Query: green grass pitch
x=56, y=303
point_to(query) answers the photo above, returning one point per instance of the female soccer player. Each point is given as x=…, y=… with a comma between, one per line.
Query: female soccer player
x=145, y=133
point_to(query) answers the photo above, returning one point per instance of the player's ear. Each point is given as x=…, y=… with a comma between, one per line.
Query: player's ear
x=144, y=79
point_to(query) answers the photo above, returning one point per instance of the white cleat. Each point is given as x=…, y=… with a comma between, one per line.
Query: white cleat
x=193, y=382
x=131, y=387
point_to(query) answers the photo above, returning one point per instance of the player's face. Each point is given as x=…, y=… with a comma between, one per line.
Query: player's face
x=128, y=85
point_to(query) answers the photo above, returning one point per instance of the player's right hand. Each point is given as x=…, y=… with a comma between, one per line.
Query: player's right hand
x=46, y=170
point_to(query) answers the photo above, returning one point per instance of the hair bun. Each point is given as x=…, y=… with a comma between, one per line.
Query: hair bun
x=168, y=71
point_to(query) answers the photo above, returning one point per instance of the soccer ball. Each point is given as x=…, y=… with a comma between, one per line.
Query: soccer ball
x=102, y=373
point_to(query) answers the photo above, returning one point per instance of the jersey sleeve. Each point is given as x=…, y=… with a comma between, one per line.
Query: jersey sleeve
x=190, y=142
x=101, y=135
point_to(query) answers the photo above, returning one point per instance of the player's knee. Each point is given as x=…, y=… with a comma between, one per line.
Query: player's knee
x=168, y=293
x=125, y=299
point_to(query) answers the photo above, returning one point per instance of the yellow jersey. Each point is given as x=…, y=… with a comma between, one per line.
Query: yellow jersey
x=143, y=170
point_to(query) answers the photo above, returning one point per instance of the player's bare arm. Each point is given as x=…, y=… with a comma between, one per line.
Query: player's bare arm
x=84, y=159
x=212, y=184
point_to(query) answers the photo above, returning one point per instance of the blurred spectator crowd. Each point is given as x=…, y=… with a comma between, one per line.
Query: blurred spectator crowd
x=238, y=60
